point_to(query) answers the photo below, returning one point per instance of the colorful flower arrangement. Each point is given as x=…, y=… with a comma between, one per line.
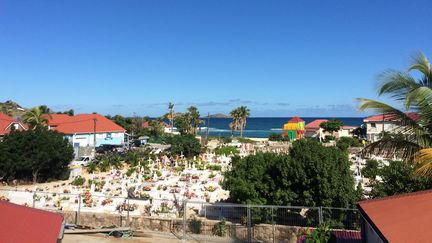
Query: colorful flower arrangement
x=107, y=201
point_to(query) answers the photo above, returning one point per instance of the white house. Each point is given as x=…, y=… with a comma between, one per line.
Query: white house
x=84, y=130
x=376, y=125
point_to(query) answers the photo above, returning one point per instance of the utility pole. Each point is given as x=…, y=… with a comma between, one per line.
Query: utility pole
x=94, y=133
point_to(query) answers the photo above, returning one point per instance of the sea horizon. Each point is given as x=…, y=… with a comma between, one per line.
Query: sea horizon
x=262, y=127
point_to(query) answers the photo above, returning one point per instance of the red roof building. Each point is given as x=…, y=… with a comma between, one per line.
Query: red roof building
x=376, y=125
x=315, y=125
x=7, y=124
x=401, y=218
x=82, y=130
x=83, y=123
x=25, y=224
x=390, y=117
x=296, y=119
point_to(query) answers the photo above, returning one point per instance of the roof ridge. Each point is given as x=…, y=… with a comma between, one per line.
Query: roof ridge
x=408, y=194
x=30, y=208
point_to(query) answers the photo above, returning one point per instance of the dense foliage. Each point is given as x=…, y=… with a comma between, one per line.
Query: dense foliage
x=311, y=175
x=346, y=142
x=227, y=150
x=35, y=155
x=277, y=137
x=333, y=125
x=186, y=144
x=371, y=169
x=396, y=178
x=188, y=122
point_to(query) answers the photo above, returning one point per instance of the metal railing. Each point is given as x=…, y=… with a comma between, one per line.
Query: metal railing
x=188, y=220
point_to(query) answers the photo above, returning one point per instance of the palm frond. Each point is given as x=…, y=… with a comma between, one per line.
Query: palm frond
x=396, y=84
x=393, y=145
x=421, y=64
x=423, y=162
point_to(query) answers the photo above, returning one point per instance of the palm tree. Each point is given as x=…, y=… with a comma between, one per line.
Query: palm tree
x=234, y=125
x=171, y=115
x=194, y=119
x=412, y=141
x=244, y=113
x=36, y=117
x=239, y=115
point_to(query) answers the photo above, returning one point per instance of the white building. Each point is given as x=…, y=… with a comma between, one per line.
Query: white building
x=376, y=125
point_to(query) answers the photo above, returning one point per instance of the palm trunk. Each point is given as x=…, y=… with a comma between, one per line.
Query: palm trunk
x=35, y=175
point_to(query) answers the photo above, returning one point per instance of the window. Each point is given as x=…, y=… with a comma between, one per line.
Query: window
x=373, y=124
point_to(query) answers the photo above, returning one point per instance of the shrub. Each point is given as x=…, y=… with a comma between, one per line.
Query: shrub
x=214, y=167
x=277, y=137
x=227, y=150
x=91, y=168
x=195, y=225
x=371, y=169
x=321, y=234
x=79, y=181
x=130, y=171
x=220, y=228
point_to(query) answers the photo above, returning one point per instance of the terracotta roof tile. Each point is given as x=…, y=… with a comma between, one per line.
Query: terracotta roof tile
x=25, y=224
x=401, y=218
x=82, y=123
x=390, y=117
x=315, y=124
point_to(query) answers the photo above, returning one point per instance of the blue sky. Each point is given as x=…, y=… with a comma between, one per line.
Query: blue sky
x=280, y=58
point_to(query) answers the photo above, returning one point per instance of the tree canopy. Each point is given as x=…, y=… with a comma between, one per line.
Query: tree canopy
x=396, y=178
x=311, y=175
x=331, y=126
x=186, y=144
x=34, y=154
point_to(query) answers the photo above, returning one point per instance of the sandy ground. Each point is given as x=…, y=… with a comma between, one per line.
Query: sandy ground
x=103, y=238
x=148, y=236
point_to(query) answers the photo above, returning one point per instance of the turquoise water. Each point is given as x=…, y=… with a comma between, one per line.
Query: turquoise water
x=262, y=127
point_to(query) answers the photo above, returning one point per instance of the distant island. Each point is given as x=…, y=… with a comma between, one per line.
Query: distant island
x=219, y=115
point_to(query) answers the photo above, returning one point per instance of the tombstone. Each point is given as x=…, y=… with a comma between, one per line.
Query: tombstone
x=92, y=188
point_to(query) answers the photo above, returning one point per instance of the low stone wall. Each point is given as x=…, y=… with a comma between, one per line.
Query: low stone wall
x=238, y=232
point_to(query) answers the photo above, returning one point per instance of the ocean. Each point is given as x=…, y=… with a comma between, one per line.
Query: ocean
x=262, y=127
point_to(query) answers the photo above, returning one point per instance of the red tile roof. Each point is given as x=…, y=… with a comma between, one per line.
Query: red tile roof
x=401, y=218
x=315, y=124
x=25, y=224
x=295, y=119
x=5, y=123
x=82, y=123
x=390, y=117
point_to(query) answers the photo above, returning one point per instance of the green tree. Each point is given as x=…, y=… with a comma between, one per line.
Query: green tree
x=182, y=123
x=413, y=144
x=331, y=126
x=37, y=117
x=34, y=153
x=194, y=119
x=311, y=175
x=371, y=169
x=397, y=178
x=186, y=144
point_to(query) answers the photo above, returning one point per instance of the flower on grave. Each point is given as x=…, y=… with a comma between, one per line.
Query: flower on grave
x=66, y=191
x=106, y=201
